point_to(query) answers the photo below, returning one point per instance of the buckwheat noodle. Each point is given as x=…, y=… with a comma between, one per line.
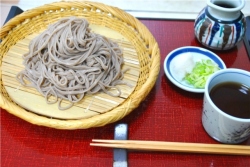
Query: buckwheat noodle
x=68, y=61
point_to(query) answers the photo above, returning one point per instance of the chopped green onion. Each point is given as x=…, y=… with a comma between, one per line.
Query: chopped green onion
x=201, y=71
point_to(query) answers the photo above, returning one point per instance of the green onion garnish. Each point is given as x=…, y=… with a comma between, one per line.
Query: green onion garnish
x=201, y=71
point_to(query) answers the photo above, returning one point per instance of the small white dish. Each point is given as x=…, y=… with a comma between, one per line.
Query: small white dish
x=197, y=54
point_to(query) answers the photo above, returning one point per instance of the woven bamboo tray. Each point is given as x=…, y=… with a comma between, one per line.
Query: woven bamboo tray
x=141, y=55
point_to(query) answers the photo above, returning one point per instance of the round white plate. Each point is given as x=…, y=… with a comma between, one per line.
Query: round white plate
x=197, y=54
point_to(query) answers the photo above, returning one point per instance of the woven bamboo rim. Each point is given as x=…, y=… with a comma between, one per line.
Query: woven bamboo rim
x=112, y=17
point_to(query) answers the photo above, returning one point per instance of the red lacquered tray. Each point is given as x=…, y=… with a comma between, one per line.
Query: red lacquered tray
x=167, y=114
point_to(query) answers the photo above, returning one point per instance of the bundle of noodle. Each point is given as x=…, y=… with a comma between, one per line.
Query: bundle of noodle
x=68, y=61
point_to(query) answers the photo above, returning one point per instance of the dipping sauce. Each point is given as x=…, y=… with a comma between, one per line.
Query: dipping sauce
x=232, y=98
x=224, y=5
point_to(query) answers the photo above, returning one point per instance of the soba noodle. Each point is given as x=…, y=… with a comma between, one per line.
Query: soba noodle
x=68, y=61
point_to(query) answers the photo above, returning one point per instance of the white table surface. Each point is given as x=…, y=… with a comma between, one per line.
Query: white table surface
x=164, y=9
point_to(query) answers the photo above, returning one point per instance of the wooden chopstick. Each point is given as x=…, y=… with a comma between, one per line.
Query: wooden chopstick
x=174, y=146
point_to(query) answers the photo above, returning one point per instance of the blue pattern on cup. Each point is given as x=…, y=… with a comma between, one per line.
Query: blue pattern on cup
x=218, y=34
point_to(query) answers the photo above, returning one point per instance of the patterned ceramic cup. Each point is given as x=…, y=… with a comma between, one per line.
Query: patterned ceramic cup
x=218, y=124
x=221, y=25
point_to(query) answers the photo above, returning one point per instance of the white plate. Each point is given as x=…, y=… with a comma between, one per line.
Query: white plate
x=197, y=54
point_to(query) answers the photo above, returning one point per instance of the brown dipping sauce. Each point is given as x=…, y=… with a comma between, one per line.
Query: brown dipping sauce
x=232, y=98
x=224, y=5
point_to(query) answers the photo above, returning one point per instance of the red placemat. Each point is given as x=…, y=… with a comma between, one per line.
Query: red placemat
x=167, y=114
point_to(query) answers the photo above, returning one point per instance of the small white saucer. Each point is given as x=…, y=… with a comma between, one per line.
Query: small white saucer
x=197, y=54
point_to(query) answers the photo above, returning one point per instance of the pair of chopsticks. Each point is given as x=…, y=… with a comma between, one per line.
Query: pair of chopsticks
x=174, y=146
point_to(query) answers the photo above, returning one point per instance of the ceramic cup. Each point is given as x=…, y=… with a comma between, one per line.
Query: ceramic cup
x=221, y=25
x=218, y=124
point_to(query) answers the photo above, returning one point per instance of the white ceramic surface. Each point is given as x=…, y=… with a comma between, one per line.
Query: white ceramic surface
x=219, y=125
x=198, y=54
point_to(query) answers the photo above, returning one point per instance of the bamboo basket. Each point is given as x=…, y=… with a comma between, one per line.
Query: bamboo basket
x=138, y=43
